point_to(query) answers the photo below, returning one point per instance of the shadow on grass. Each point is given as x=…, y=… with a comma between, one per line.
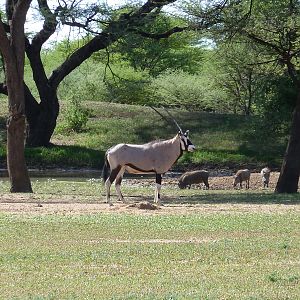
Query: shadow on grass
x=64, y=156
x=232, y=198
x=157, y=129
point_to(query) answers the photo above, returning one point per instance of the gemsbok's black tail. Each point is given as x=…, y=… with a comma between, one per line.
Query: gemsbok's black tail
x=106, y=168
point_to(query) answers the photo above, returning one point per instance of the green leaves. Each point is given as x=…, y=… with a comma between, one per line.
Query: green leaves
x=76, y=116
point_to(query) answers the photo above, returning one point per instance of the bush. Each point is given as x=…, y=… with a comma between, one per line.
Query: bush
x=191, y=91
x=76, y=116
x=85, y=83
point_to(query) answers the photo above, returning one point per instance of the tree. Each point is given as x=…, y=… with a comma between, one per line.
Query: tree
x=240, y=76
x=12, y=47
x=42, y=115
x=178, y=52
x=276, y=26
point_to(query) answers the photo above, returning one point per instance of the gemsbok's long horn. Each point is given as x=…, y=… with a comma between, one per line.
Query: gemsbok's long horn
x=173, y=119
x=162, y=116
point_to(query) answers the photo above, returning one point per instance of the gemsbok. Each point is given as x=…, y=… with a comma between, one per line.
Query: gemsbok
x=156, y=157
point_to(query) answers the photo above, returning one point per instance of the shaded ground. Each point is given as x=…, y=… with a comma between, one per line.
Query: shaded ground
x=210, y=201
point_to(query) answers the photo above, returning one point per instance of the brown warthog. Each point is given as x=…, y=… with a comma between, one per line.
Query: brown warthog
x=240, y=176
x=193, y=177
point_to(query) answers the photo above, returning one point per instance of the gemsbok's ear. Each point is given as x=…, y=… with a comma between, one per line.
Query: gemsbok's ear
x=187, y=133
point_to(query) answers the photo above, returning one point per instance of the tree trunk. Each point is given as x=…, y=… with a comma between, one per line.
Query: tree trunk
x=16, y=165
x=41, y=119
x=290, y=169
x=12, y=48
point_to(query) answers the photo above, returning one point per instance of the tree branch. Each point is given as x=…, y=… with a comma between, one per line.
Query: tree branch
x=49, y=26
x=158, y=36
x=262, y=41
x=110, y=34
x=80, y=55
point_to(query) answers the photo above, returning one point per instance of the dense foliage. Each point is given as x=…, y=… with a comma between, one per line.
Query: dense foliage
x=221, y=70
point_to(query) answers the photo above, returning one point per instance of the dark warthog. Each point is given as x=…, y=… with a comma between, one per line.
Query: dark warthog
x=193, y=177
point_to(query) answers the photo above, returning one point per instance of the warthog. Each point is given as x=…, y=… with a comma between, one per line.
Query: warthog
x=193, y=177
x=240, y=176
x=265, y=176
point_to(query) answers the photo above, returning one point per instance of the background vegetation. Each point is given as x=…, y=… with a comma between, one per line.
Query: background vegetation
x=223, y=140
x=237, y=107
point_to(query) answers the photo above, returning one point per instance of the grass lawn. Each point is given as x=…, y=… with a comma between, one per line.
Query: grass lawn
x=107, y=256
x=232, y=254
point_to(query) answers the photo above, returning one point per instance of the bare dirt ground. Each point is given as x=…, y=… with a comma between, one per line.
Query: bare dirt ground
x=215, y=182
x=35, y=204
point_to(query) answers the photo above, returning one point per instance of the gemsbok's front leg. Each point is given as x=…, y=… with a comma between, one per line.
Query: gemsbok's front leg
x=157, y=189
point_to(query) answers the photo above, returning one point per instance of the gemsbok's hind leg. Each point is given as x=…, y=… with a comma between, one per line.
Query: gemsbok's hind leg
x=109, y=181
x=118, y=184
x=157, y=189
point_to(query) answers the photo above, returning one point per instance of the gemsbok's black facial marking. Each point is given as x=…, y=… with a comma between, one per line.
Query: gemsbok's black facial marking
x=186, y=142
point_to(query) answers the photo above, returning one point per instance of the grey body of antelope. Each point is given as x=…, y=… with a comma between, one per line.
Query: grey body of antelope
x=240, y=176
x=265, y=176
x=152, y=158
x=193, y=177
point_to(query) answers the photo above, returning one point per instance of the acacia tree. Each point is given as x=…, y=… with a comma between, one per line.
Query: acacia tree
x=12, y=48
x=42, y=113
x=276, y=26
x=157, y=56
x=240, y=76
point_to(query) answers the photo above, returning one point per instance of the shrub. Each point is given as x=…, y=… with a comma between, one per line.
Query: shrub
x=85, y=83
x=191, y=91
x=76, y=116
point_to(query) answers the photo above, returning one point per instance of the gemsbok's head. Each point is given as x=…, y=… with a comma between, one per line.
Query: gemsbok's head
x=186, y=144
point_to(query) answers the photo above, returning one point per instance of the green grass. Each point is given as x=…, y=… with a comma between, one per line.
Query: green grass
x=250, y=254
x=107, y=256
x=220, y=139
x=92, y=191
